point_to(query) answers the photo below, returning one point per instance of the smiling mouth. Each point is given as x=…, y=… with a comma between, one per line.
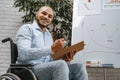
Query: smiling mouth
x=44, y=21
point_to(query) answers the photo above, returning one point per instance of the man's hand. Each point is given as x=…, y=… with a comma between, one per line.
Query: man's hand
x=57, y=45
x=68, y=57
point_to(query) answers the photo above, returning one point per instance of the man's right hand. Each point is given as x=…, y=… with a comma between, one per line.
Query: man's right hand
x=57, y=45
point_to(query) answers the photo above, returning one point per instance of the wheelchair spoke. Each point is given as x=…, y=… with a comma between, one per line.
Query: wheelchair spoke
x=9, y=76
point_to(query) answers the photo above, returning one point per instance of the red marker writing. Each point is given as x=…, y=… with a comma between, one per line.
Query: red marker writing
x=89, y=0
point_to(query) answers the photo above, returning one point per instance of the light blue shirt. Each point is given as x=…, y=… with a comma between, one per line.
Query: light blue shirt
x=34, y=46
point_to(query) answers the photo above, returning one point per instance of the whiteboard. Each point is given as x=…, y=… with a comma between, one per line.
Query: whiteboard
x=100, y=30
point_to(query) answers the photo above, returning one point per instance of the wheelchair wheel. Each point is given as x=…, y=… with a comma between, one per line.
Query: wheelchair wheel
x=9, y=76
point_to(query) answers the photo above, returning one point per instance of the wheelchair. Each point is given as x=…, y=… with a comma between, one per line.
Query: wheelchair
x=17, y=71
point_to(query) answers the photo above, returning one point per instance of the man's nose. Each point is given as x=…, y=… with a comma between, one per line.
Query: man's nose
x=46, y=16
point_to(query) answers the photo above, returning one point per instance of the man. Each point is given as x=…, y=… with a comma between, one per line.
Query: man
x=36, y=47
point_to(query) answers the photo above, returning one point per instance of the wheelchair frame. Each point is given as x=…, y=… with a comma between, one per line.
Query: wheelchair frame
x=17, y=71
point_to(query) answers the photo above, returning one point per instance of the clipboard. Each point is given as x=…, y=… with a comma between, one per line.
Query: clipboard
x=76, y=47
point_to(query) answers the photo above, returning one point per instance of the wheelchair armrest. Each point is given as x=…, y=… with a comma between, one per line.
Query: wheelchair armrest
x=20, y=65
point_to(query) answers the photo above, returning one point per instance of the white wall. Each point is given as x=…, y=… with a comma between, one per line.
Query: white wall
x=10, y=21
x=100, y=32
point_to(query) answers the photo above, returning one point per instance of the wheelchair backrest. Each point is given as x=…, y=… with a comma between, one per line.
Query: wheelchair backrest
x=13, y=47
x=14, y=53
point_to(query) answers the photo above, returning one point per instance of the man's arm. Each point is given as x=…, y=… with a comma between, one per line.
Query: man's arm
x=25, y=52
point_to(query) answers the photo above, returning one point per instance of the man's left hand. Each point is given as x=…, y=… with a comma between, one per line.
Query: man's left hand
x=68, y=57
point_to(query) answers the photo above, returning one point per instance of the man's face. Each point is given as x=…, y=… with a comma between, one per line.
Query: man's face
x=44, y=16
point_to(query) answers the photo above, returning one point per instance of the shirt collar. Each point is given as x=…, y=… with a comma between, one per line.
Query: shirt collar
x=36, y=26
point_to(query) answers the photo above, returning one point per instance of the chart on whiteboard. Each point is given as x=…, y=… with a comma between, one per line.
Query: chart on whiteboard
x=89, y=7
x=111, y=4
x=101, y=31
x=101, y=34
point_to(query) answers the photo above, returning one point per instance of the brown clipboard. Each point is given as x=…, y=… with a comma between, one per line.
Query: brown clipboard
x=76, y=47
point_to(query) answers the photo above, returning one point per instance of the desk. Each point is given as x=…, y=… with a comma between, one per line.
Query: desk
x=99, y=73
